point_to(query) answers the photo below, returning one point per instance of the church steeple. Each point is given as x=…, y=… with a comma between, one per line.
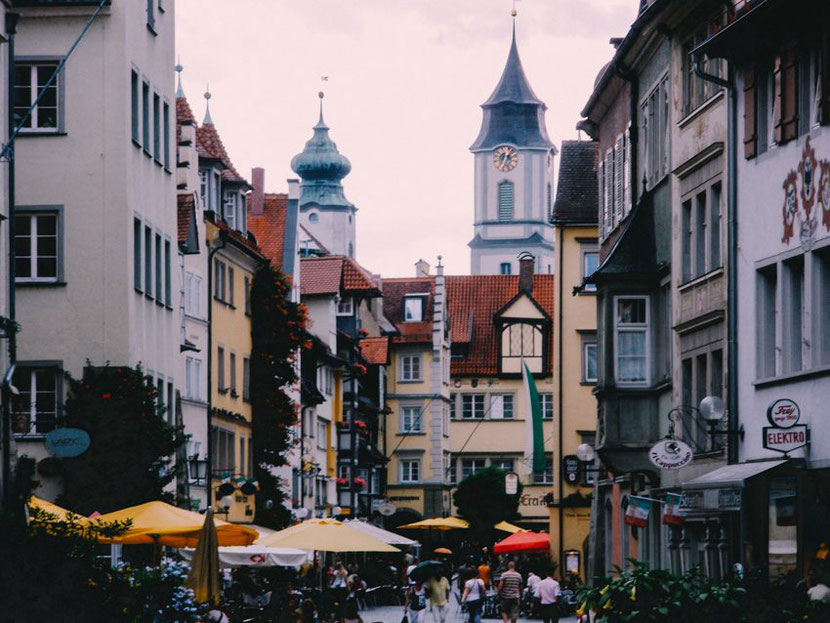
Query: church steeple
x=513, y=114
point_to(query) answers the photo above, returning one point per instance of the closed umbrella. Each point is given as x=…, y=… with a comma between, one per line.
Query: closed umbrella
x=437, y=523
x=325, y=535
x=508, y=527
x=523, y=542
x=158, y=523
x=203, y=577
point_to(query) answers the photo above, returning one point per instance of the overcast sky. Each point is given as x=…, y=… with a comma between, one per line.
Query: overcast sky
x=405, y=82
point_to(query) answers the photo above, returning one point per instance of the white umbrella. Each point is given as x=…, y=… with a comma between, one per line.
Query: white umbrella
x=256, y=556
x=379, y=533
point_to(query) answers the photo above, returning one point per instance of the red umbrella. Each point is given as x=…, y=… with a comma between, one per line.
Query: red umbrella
x=523, y=542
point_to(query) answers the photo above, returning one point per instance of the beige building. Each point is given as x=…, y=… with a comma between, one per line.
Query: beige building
x=574, y=219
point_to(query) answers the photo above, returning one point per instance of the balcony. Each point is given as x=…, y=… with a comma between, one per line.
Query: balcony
x=627, y=426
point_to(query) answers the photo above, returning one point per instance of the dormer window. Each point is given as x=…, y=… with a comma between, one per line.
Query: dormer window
x=522, y=342
x=345, y=307
x=414, y=308
x=229, y=208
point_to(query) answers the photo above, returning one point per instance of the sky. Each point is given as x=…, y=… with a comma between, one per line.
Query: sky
x=406, y=79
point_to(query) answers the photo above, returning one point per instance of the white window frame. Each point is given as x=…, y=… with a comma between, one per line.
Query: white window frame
x=406, y=470
x=322, y=435
x=193, y=295
x=345, y=306
x=413, y=414
x=586, y=345
x=57, y=84
x=473, y=400
x=474, y=467
x=33, y=216
x=586, y=251
x=546, y=403
x=497, y=463
x=644, y=328
x=31, y=371
x=546, y=477
x=193, y=378
x=413, y=308
x=409, y=374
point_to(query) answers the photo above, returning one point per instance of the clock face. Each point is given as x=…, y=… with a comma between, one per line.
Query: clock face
x=505, y=158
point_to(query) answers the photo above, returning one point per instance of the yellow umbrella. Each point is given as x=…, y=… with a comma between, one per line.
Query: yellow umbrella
x=325, y=535
x=162, y=524
x=203, y=577
x=508, y=527
x=437, y=523
x=48, y=507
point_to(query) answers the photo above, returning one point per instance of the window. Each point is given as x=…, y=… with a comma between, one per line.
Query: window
x=767, y=283
x=193, y=295
x=411, y=368
x=219, y=279
x=472, y=406
x=655, y=136
x=696, y=90
x=220, y=368
x=30, y=80
x=151, y=15
x=631, y=343
x=134, y=111
x=148, y=261
x=453, y=408
x=137, y=254
x=546, y=477
x=204, y=189
x=547, y=406
x=793, y=314
x=501, y=406
x=450, y=468
x=522, y=342
x=410, y=419
x=700, y=237
x=246, y=379
x=168, y=293
x=145, y=116
x=233, y=373
x=506, y=201
x=230, y=286
x=505, y=268
x=714, y=226
x=410, y=470
x=320, y=493
x=224, y=450
x=159, y=267
x=166, y=136
x=413, y=308
x=157, y=127
x=171, y=405
x=589, y=360
x=242, y=462
x=505, y=465
x=821, y=306
x=590, y=263
x=193, y=376
x=35, y=407
x=247, y=282
x=328, y=381
x=229, y=208
x=36, y=247
x=160, y=396
x=471, y=466
x=322, y=435
x=345, y=307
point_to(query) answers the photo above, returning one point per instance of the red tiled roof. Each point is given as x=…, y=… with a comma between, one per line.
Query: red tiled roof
x=185, y=214
x=209, y=144
x=184, y=116
x=473, y=303
x=333, y=273
x=375, y=350
x=269, y=227
x=394, y=291
x=356, y=278
x=240, y=238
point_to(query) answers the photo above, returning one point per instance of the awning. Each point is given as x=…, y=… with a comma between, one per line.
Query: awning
x=730, y=475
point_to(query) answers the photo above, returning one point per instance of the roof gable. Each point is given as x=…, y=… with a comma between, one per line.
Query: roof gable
x=188, y=232
x=523, y=307
x=576, y=194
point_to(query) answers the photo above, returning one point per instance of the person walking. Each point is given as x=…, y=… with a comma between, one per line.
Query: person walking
x=438, y=590
x=548, y=592
x=510, y=593
x=473, y=597
x=416, y=602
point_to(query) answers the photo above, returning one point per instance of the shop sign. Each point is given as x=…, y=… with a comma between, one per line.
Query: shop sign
x=726, y=499
x=570, y=466
x=670, y=454
x=405, y=498
x=67, y=442
x=730, y=499
x=783, y=413
x=386, y=508
x=786, y=439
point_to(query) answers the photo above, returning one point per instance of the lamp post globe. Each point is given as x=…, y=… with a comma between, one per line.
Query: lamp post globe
x=712, y=409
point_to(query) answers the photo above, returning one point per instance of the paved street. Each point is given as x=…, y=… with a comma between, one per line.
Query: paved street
x=393, y=614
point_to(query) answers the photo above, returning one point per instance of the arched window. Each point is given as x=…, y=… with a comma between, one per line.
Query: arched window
x=522, y=342
x=550, y=207
x=506, y=201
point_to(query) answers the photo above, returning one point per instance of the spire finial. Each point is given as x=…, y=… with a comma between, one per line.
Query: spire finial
x=321, y=95
x=513, y=13
x=208, y=119
x=179, y=69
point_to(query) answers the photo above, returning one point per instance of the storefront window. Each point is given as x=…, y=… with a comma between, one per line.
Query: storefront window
x=783, y=527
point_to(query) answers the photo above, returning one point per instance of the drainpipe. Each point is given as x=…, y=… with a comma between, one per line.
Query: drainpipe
x=561, y=478
x=209, y=471
x=731, y=251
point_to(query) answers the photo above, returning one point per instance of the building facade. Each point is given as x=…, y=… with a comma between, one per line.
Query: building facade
x=513, y=192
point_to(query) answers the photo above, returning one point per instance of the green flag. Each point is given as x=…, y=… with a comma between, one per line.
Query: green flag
x=534, y=441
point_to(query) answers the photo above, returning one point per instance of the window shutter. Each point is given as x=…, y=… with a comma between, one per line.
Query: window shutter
x=750, y=114
x=506, y=201
x=609, y=189
x=789, y=104
x=601, y=195
x=618, y=181
x=627, y=171
x=825, y=80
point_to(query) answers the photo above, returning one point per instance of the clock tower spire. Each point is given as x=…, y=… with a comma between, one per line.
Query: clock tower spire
x=513, y=158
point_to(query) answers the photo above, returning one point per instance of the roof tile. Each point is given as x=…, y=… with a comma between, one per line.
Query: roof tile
x=576, y=196
x=209, y=144
x=185, y=211
x=394, y=292
x=269, y=227
x=375, y=350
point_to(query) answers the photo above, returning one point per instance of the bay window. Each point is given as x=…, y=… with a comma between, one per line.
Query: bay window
x=631, y=339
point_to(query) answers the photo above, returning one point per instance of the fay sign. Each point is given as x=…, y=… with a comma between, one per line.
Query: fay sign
x=786, y=434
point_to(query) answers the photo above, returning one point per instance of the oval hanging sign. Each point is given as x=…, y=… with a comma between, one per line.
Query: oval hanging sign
x=783, y=413
x=67, y=442
x=387, y=508
x=670, y=454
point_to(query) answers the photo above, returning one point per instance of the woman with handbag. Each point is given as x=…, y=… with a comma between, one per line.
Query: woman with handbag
x=416, y=602
x=473, y=597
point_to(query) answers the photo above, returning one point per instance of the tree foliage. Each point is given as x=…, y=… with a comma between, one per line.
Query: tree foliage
x=130, y=457
x=277, y=334
x=481, y=500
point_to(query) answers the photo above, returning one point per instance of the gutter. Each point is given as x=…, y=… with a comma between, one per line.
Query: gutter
x=561, y=479
x=732, y=249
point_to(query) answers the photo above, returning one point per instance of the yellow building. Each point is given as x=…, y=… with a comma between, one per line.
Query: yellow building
x=574, y=354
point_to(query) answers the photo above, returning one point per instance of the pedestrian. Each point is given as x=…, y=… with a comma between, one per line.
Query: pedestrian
x=339, y=588
x=532, y=582
x=473, y=597
x=416, y=601
x=351, y=614
x=510, y=593
x=409, y=570
x=484, y=573
x=438, y=590
x=548, y=593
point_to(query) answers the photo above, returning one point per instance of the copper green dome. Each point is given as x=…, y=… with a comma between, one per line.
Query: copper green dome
x=320, y=160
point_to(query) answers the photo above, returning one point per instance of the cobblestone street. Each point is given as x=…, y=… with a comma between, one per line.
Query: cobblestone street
x=393, y=614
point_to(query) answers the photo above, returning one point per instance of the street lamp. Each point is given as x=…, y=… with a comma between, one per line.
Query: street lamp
x=198, y=469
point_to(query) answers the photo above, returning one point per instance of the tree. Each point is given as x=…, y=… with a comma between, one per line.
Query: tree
x=277, y=333
x=481, y=500
x=130, y=456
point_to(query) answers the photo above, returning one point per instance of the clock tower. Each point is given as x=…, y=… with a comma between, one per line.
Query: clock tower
x=513, y=177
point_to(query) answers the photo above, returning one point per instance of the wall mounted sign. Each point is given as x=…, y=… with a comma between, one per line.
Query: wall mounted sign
x=67, y=442
x=387, y=508
x=511, y=483
x=670, y=454
x=786, y=439
x=570, y=467
x=783, y=413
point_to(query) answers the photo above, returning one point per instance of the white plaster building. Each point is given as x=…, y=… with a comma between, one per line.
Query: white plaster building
x=96, y=205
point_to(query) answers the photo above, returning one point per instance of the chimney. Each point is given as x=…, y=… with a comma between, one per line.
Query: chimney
x=258, y=193
x=293, y=188
x=527, y=264
x=421, y=268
